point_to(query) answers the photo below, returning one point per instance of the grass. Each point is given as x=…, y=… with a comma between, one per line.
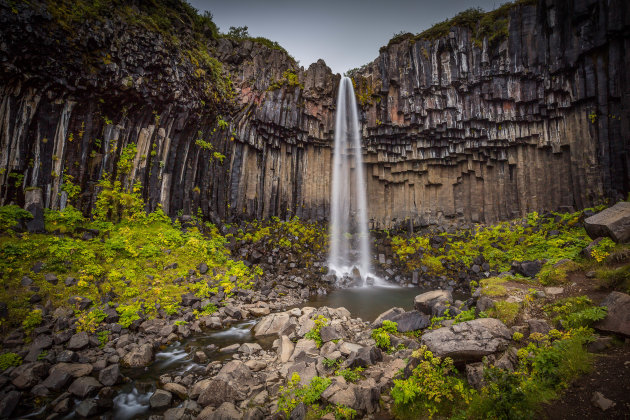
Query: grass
x=493, y=287
x=504, y=311
x=615, y=278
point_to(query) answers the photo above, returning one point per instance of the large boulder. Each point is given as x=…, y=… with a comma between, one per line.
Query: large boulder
x=275, y=324
x=218, y=391
x=84, y=386
x=468, y=341
x=387, y=316
x=139, y=357
x=618, y=318
x=34, y=204
x=411, y=321
x=426, y=301
x=613, y=222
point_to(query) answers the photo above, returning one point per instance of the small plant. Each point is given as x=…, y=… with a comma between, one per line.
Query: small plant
x=103, y=337
x=381, y=335
x=11, y=215
x=180, y=322
x=32, y=320
x=331, y=363
x=9, y=359
x=89, y=321
x=294, y=394
x=350, y=375
x=505, y=311
x=575, y=312
x=209, y=309
x=128, y=314
x=314, y=334
x=517, y=336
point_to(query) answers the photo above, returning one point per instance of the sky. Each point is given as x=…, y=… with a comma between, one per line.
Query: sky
x=345, y=33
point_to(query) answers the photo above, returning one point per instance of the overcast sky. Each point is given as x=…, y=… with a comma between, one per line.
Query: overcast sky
x=346, y=34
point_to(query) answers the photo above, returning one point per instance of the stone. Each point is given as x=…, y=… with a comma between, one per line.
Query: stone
x=198, y=388
x=57, y=380
x=76, y=370
x=227, y=411
x=160, y=399
x=29, y=374
x=218, y=391
x=285, y=349
x=613, y=222
x=274, y=324
x=87, y=408
x=618, y=315
x=8, y=403
x=387, y=315
x=538, y=326
x=474, y=375
x=232, y=348
x=203, y=268
x=189, y=299
x=304, y=346
x=237, y=371
x=259, y=311
x=364, y=357
x=249, y=348
x=34, y=204
x=425, y=302
x=307, y=371
x=110, y=375
x=84, y=386
x=411, y=321
x=298, y=413
x=528, y=268
x=79, y=341
x=140, y=356
x=468, y=341
x=51, y=278
x=554, y=291
x=80, y=302
x=329, y=333
x=200, y=357
x=26, y=281
x=601, y=402
x=176, y=389
x=70, y=281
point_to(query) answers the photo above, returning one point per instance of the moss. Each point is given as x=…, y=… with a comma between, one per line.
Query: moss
x=505, y=311
x=493, y=286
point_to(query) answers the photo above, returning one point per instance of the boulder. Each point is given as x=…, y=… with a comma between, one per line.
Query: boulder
x=386, y=316
x=57, y=380
x=8, y=403
x=238, y=372
x=85, y=386
x=140, y=356
x=307, y=371
x=110, y=375
x=177, y=389
x=275, y=324
x=468, y=341
x=79, y=341
x=329, y=333
x=527, y=268
x=285, y=349
x=364, y=357
x=227, y=411
x=425, y=302
x=76, y=370
x=618, y=317
x=613, y=222
x=218, y=391
x=198, y=388
x=160, y=399
x=249, y=348
x=411, y=321
x=87, y=408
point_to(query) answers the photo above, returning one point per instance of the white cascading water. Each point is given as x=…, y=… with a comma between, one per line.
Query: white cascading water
x=348, y=219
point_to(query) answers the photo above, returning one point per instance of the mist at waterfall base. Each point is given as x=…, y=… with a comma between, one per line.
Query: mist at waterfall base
x=349, y=234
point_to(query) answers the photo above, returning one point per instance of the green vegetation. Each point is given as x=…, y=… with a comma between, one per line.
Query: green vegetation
x=350, y=375
x=432, y=388
x=504, y=311
x=241, y=33
x=127, y=259
x=492, y=25
x=32, y=320
x=615, y=278
x=294, y=394
x=575, y=312
x=553, y=237
x=9, y=359
x=289, y=79
x=314, y=334
x=381, y=335
x=11, y=216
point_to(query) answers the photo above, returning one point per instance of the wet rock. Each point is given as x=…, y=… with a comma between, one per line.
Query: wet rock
x=110, y=375
x=79, y=341
x=63, y=406
x=468, y=341
x=176, y=389
x=87, y=408
x=425, y=302
x=618, y=315
x=160, y=399
x=84, y=386
x=139, y=356
x=613, y=222
x=57, y=380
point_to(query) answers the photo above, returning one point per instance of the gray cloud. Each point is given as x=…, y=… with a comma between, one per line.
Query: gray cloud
x=346, y=34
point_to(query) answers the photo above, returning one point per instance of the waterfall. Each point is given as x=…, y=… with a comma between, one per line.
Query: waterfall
x=349, y=235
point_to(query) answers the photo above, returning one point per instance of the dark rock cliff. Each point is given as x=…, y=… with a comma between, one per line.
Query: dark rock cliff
x=451, y=129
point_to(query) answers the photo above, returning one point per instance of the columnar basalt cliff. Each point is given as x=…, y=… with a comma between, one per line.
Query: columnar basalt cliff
x=454, y=127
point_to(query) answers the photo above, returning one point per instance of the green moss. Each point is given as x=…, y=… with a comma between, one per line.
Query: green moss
x=615, y=278
x=8, y=360
x=504, y=311
x=493, y=286
x=289, y=78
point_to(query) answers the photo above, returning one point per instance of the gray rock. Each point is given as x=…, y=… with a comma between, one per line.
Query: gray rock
x=618, y=316
x=484, y=303
x=80, y=302
x=285, y=349
x=84, y=386
x=329, y=333
x=76, y=370
x=176, y=389
x=227, y=411
x=57, y=380
x=160, y=399
x=425, y=302
x=70, y=281
x=364, y=357
x=249, y=348
x=613, y=222
x=601, y=402
x=218, y=391
x=26, y=281
x=79, y=341
x=110, y=375
x=298, y=413
x=51, y=278
x=468, y=341
x=386, y=316
x=538, y=326
x=528, y=268
x=474, y=374
x=140, y=356
x=87, y=408
x=34, y=204
x=8, y=403
x=411, y=321
x=275, y=324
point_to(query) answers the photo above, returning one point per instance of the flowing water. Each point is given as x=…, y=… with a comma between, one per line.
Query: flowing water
x=349, y=235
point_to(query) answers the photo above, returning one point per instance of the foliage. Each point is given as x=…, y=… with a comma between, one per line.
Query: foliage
x=617, y=278
x=32, y=320
x=128, y=314
x=381, y=335
x=89, y=321
x=8, y=360
x=431, y=389
x=331, y=363
x=575, y=312
x=116, y=203
x=294, y=394
x=11, y=216
x=493, y=286
x=209, y=309
x=602, y=249
x=517, y=336
x=69, y=187
x=103, y=337
x=239, y=32
x=505, y=311
x=314, y=334
x=67, y=220
x=289, y=79
x=350, y=375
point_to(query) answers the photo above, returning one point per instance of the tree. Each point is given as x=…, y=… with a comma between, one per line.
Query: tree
x=238, y=32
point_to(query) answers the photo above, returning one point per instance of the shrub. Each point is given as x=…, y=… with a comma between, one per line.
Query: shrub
x=618, y=278
x=9, y=359
x=294, y=394
x=574, y=312
x=350, y=375
x=89, y=321
x=128, y=314
x=504, y=311
x=431, y=389
x=381, y=335
x=314, y=334
x=11, y=215
x=32, y=320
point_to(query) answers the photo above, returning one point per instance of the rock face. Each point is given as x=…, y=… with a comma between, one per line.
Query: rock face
x=613, y=222
x=618, y=317
x=468, y=341
x=452, y=128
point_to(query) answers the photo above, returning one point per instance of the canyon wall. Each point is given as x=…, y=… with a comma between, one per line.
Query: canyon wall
x=453, y=129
